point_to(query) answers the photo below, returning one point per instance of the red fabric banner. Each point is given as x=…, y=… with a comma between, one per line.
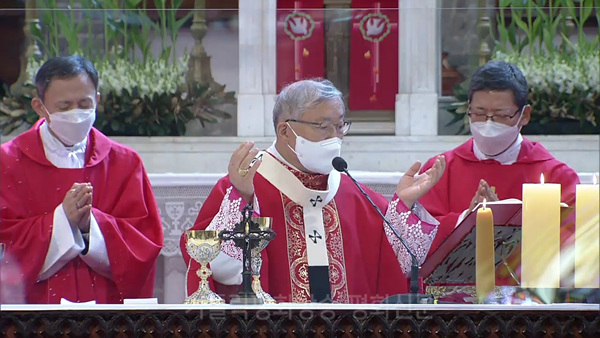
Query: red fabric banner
x=300, y=41
x=374, y=55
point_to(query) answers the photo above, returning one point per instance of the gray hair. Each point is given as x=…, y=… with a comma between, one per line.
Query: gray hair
x=298, y=97
x=500, y=75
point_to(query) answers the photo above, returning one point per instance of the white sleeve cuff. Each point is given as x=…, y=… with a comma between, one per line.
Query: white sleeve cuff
x=255, y=205
x=97, y=256
x=462, y=217
x=65, y=244
x=424, y=215
x=226, y=269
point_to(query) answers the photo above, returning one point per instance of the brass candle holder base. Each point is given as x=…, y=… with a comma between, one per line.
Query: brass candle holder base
x=260, y=293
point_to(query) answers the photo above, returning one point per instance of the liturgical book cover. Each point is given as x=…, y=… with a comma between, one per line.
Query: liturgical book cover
x=453, y=263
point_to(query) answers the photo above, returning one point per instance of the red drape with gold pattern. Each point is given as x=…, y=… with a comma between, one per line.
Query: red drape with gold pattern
x=300, y=41
x=374, y=55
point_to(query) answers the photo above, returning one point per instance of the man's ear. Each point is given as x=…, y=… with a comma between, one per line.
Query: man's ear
x=526, y=115
x=282, y=131
x=97, y=98
x=38, y=107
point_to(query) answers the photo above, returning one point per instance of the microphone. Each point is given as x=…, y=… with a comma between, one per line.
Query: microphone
x=414, y=297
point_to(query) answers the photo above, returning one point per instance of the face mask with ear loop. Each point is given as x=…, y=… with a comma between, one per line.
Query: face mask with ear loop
x=72, y=126
x=493, y=138
x=317, y=156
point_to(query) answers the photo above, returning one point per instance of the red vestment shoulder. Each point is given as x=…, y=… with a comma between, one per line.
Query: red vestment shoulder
x=453, y=193
x=123, y=205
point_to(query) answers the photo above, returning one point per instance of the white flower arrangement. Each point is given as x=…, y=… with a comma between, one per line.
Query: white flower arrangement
x=151, y=77
x=564, y=85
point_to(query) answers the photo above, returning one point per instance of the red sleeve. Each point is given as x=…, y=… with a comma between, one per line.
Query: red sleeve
x=26, y=236
x=436, y=202
x=568, y=179
x=385, y=267
x=134, y=235
x=390, y=279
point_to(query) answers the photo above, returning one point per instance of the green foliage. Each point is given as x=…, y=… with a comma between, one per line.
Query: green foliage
x=535, y=25
x=141, y=95
x=149, y=99
x=563, y=86
x=127, y=28
x=458, y=109
x=16, y=112
x=563, y=76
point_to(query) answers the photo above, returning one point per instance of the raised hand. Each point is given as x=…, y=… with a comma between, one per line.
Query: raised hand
x=484, y=191
x=412, y=186
x=242, y=169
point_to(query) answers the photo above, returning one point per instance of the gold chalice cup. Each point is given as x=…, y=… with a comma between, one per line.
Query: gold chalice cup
x=203, y=246
x=264, y=224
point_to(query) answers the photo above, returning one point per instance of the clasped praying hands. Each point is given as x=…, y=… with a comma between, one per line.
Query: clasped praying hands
x=78, y=206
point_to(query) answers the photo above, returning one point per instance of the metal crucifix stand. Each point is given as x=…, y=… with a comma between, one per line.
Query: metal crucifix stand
x=247, y=235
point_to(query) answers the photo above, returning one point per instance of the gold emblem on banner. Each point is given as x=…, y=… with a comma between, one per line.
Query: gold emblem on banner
x=299, y=25
x=375, y=27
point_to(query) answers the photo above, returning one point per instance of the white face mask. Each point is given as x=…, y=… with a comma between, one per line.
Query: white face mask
x=72, y=126
x=317, y=156
x=493, y=138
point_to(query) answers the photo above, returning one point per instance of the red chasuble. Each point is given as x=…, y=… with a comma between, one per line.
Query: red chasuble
x=455, y=190
x=363, y=266
x=123, y=205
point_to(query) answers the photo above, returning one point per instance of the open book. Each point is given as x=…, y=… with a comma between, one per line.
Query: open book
x=453, y=263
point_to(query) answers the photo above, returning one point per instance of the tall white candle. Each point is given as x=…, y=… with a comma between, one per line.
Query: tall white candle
x=540, y=243
x=587, y=236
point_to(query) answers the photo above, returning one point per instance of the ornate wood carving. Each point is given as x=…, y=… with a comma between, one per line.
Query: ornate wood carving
x=300, y=323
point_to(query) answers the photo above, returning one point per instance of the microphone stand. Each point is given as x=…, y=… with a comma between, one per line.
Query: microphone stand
x=414, y=297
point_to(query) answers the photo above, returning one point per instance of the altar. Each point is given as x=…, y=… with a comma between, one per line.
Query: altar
x=300, y=320
x=180, y=197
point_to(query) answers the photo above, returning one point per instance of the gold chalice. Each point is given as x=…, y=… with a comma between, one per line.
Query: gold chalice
x=203, y=246
x=264, y=224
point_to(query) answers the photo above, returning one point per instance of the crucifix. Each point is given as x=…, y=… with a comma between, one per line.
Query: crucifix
x=247, y=235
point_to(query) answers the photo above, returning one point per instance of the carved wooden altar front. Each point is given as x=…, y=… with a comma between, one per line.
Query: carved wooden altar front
x=300, y=320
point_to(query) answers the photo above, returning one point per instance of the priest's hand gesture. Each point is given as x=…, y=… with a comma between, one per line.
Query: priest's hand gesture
x=78, y=206
x=484, y=191
x=412, y=186
x=242, y=168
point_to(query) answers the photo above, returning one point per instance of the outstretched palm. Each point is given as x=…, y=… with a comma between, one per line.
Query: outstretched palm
x=412, y=186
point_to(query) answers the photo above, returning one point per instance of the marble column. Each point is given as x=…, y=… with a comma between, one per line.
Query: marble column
x=417, y=98
x=257, y=74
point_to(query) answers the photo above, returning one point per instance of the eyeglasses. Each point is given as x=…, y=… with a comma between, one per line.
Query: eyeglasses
x=480, y=115
x=324, y=127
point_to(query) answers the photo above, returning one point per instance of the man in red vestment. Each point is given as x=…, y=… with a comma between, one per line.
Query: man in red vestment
x=330, y=244
x=77, y=212
x=496, y=162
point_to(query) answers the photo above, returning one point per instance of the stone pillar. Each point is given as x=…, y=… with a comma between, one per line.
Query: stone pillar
x=199, y=62
x=337, y=44
x=257, y=37
x=483, y=32
x=417, y=99
x=30, y=48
